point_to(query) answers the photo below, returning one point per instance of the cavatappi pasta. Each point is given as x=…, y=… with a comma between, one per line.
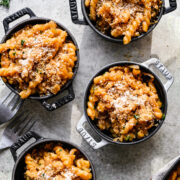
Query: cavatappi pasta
x=175, y=174
x=124, y=102
x=38, y=59
x=127, y=18
x=53, y=162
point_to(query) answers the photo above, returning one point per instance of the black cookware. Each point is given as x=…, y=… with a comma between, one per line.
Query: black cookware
x=86, y=20
x=162, y=89
x=19, y=167
x=32, y=21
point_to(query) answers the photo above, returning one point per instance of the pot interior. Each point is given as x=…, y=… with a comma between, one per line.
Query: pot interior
x=19, y=167
x=160, y=90
x=108, y=36
x=34, y=21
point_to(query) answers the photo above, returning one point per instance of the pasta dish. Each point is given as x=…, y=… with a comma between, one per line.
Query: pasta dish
x=53, y=162
x=127, y=18
x=124, y=102
x=38, y=59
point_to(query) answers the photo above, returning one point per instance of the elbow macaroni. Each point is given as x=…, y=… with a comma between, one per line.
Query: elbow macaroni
x=123, y=102
x=52, y=161
x=123, y=18
x=38, y=59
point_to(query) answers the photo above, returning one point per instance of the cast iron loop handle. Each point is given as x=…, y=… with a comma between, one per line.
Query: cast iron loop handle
x=60, y=102
x=162, y=69
x=86, y=136
x=21, y=141
x=173, y=6
x=15, y=16
x=74, y=13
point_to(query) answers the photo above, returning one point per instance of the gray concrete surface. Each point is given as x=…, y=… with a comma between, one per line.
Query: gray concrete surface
x=112, y=162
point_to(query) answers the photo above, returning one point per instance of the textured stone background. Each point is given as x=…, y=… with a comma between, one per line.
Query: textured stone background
x=112, y=162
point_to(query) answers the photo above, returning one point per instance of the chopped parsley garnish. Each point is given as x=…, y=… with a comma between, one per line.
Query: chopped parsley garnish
x=163, y=116
x=23, y=52
x=60, y=149
x=127, y=137
x=5, y=3
x=43, y=175
x=14, y=53
x=94, y=88
x=22, y=42
x=136, y=116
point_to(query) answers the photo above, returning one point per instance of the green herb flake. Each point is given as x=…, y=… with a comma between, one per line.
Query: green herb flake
x=43, y=175
x=23, y=52
x=60, y=149
x=163, y=116
x=5, y=3
x=127, y=138
x=41, y=32
x=94, y=88
x=14, y=53
x=136, y=116
x=22, y=42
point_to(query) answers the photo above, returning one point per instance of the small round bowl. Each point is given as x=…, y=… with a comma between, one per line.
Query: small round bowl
x=87, y=21
x=32, y=21
x=162, y=92
x=19, y=167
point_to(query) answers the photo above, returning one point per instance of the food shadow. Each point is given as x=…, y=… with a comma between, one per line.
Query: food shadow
x=113, y=162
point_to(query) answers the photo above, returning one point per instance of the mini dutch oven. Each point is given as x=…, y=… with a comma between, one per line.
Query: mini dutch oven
x=32, y=21
x=161, y=90
x=165, y=172
x=19, y=167
x=86, y=20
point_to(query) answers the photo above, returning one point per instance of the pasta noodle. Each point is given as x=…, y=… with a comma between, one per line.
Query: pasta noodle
x=38, y=59
x=126, y=18
x=124, y=102
x=53, y=162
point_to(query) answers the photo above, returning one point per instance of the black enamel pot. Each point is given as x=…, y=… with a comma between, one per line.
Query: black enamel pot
x=172, y=168
x=19, y=167
x=162, y=89
x=165, y=172
x=32, y=21
x=87, y=21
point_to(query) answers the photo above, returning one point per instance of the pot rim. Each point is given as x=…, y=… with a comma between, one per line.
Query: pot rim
x=110, y=38
x=31, y=20
x=97, y=130
x=46, y=140
x=174, y=165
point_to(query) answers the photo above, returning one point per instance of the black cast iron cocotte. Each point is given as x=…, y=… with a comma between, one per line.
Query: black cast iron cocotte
x=171, y=169
x=86, y=20
x=19, y=167
x=32, y=21
x=162, y=89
